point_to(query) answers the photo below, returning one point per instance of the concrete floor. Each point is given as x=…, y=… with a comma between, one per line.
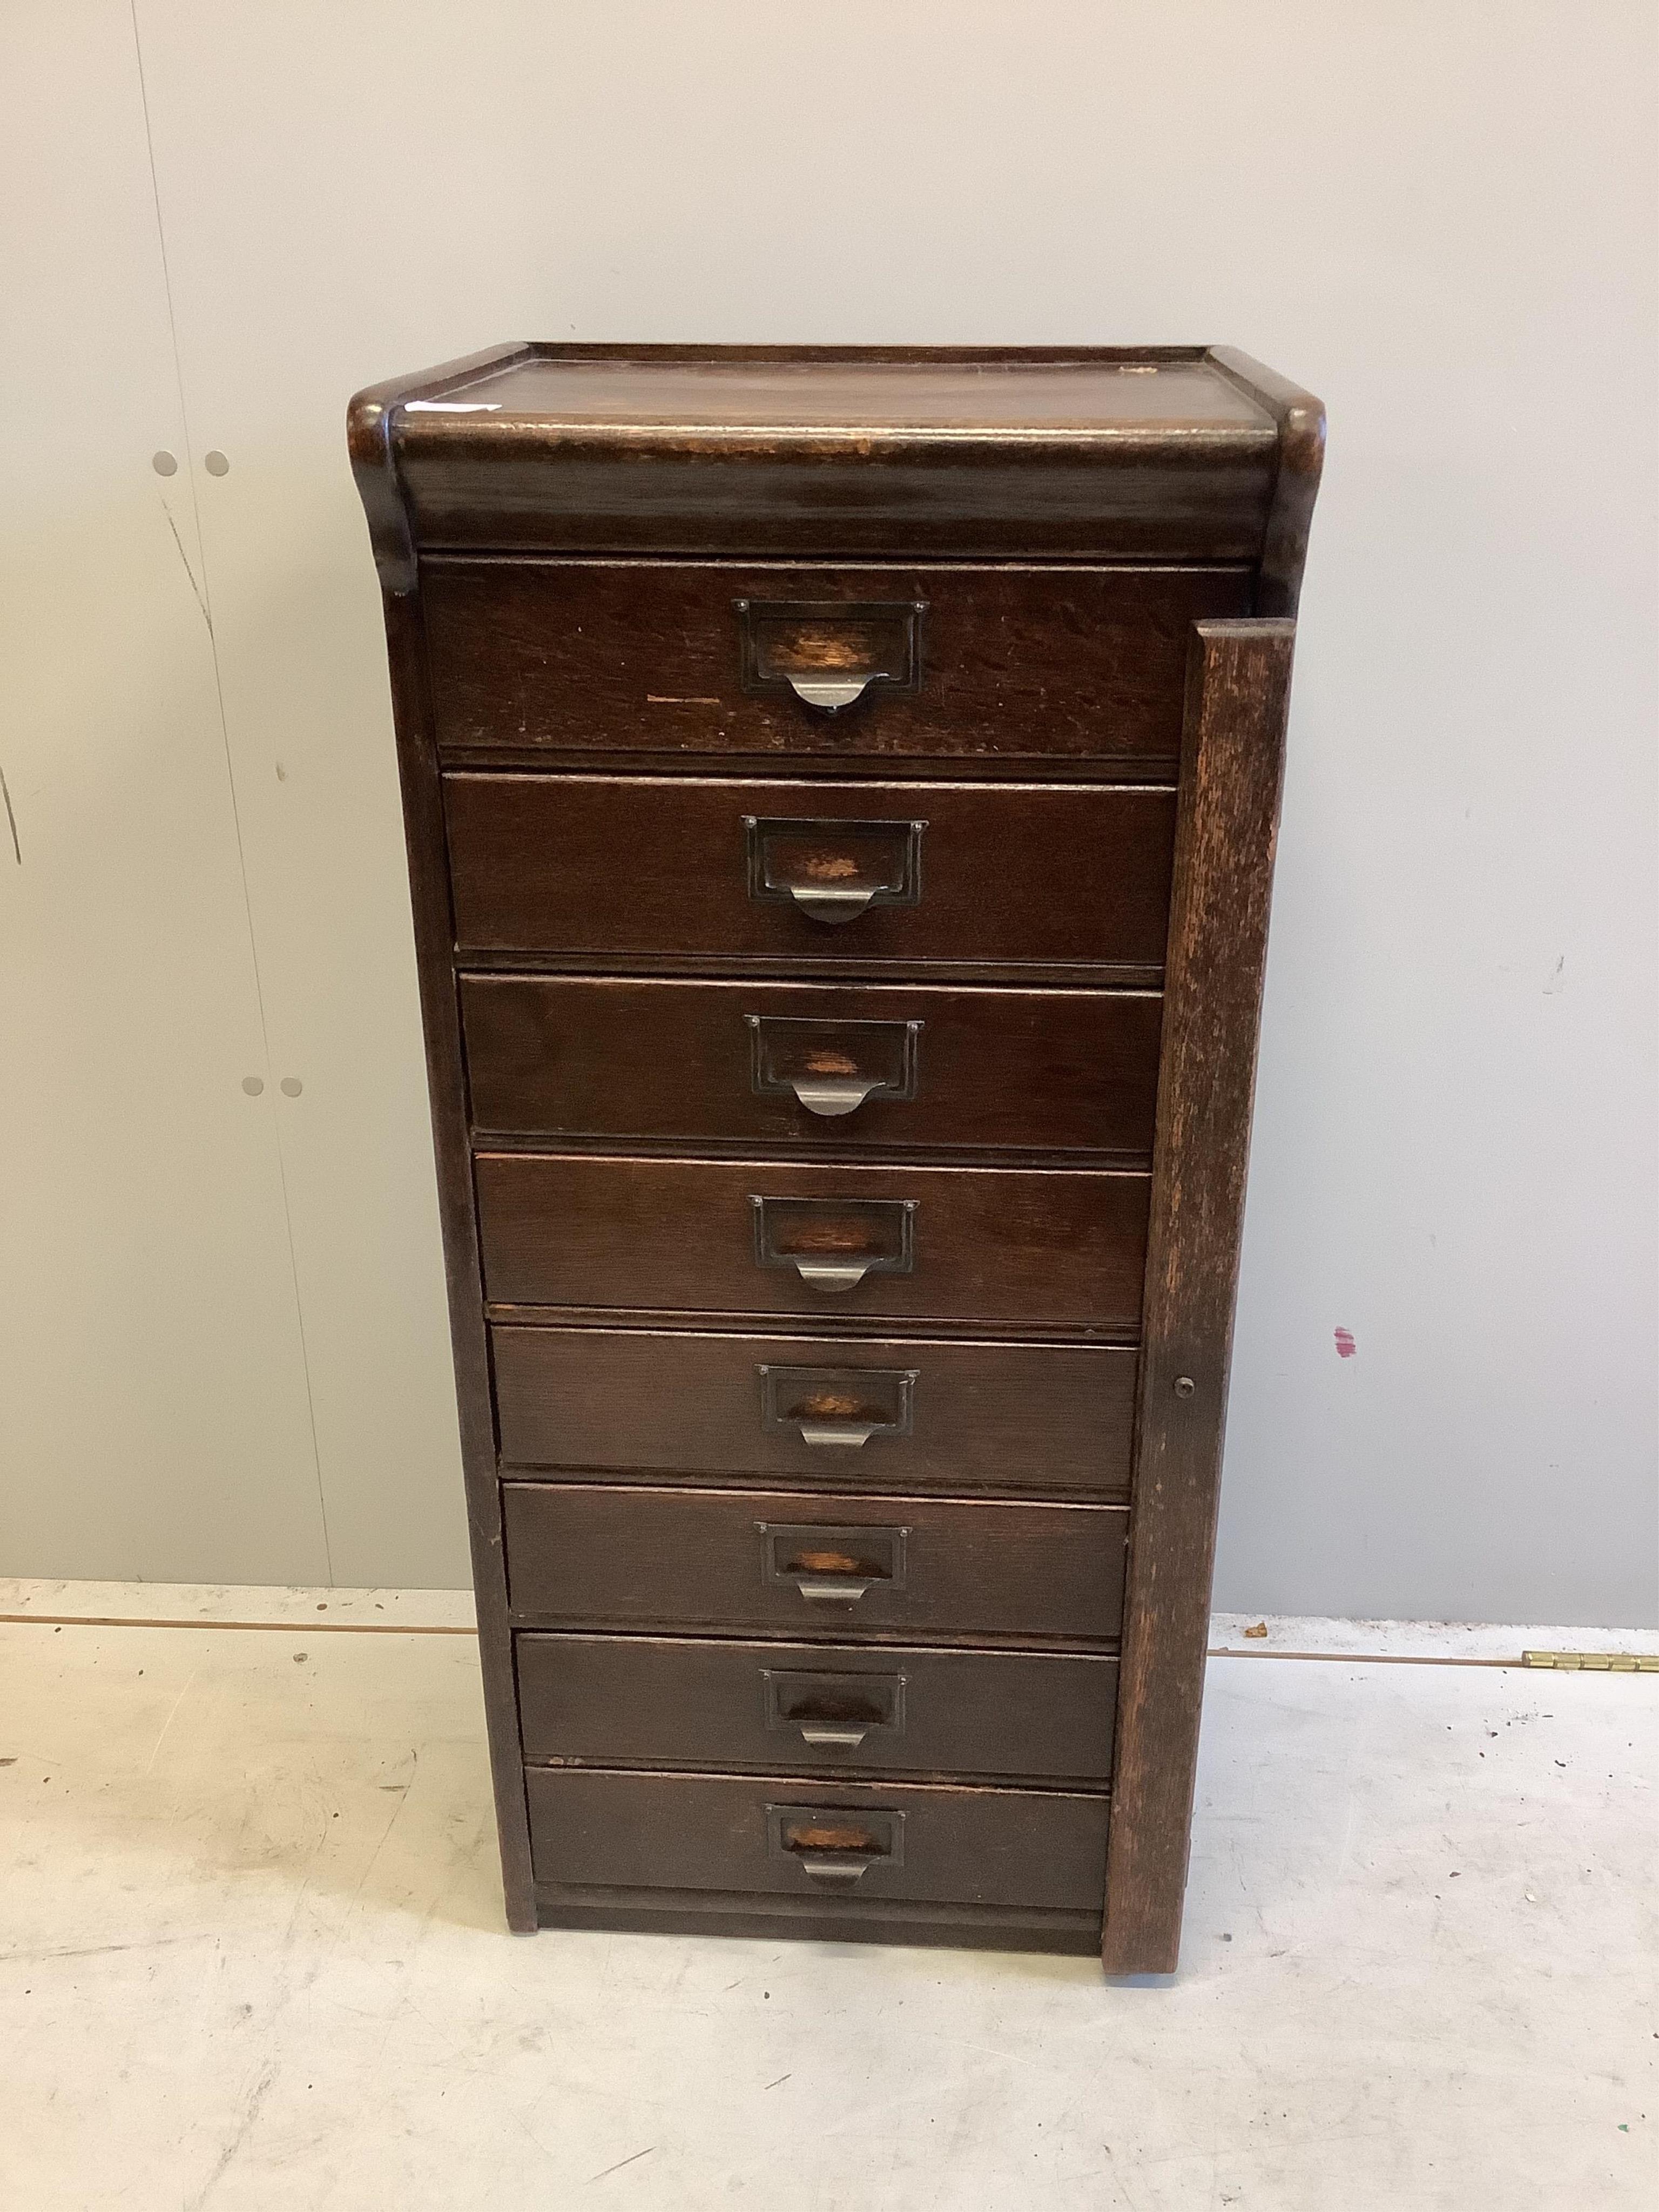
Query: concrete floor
x=253, y=1957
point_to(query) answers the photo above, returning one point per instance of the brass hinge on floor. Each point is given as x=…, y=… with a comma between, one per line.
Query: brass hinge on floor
x=1595, y=1662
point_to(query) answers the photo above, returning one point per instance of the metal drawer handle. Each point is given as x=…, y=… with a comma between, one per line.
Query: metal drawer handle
x=830, y=1845
x=846, y=1739
x=841, y=1406
x=832, y=1274
x=823, y=904
x=833, y=1244
x=833, y=1566
x=830, y=693
x=834, y=1867
x=844, y=1433
x=832, y=868
x=831, y=1067
x=820, y=1590
x=842, y=1094
x=828, y=652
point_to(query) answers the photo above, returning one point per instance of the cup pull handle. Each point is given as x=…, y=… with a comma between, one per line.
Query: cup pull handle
x=831, y=694
x=832, y=1274
x=825, y=1590
x=824, y=904
x=852, y=1433
x=838, y=1095
x=835, y=1868
x=846, y=1739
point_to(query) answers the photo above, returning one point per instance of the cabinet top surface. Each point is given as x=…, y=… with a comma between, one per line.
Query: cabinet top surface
x=734, y=389
x=1155, y=452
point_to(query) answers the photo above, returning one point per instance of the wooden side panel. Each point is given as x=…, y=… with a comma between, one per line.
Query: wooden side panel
x=440, y=1018
x=1232, y=764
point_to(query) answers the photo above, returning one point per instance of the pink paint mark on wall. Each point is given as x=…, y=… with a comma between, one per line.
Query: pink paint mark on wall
x=1346, y=1346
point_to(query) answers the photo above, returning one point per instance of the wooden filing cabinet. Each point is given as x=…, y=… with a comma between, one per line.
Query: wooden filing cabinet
x=840, y=787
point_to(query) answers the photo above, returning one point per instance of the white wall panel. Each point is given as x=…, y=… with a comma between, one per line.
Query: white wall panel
x=153, y=1401
x=1443, y=220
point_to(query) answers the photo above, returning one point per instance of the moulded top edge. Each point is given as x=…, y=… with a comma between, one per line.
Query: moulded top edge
x=731, y=395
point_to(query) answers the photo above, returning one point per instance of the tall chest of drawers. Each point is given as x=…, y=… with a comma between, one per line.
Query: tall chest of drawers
x=841, y=786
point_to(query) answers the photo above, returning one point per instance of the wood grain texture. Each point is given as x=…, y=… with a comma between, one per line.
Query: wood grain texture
x=818, y=1920
x=1050, y=1420
x=434, y=935
x=644, y=657
x=1231, y=771
x=1148, y=452
x=644, y=866
x=1016, y=545
x=986, y=1245
x=972, y=1569
x=1038, y=1848
x=928, y=1715
x=1300, y=421
x=1050, y=1070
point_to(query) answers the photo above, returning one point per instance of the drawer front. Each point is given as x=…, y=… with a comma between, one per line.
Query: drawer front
x=659, y=1701
x=811, y=873
x=580, y=1556
x=907, y=1412
x=813, y=1839
x=960, y=663
x=994, y=1244
x=912, y=1068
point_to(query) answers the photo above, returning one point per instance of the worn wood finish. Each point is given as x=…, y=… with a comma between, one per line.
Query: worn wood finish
x=1052, y=1420
x=1300, y=421
x=985, y=1244
x=900, y=1709
x=809, y=796
x=638, y=867
x=597, y=1556
x=1039, y=1849
x=817, y=1920
x=1015, y=1070
x=1151, y=452
x=1232, y=764
x=1016, y=663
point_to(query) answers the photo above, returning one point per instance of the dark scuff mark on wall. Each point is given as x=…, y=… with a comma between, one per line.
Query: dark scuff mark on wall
x=11, y=819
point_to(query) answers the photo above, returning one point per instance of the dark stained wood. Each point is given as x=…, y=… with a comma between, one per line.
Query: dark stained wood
x=433, y=932
x=985, y=1244
x=590, y=1556
x=1150, y=452
x=1038, y=1848
x=687, y=1702
x=642, y=865
x=1053, y=1419
x=721, y=1487
x=1301, y=420
x=1016, y=663
x=818, y=1920
x=1055, y=1070
x=368, y=440
x=1231, y=770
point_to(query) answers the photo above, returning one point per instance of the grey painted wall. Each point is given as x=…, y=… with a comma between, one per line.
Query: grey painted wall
x=222, y=1341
